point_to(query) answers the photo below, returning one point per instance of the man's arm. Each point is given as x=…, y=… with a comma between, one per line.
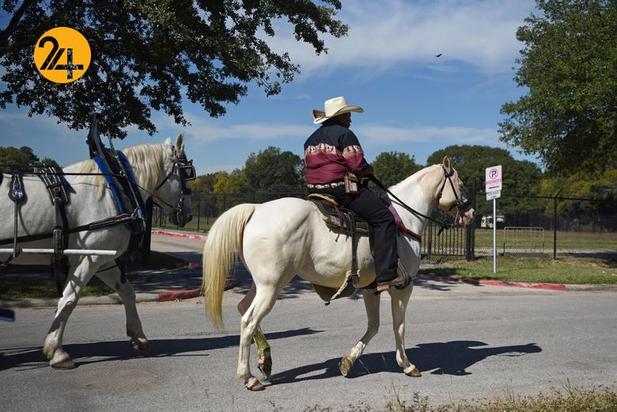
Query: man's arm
x=354, y=155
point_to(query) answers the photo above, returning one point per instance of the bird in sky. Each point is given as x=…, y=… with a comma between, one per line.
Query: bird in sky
x=438, y=55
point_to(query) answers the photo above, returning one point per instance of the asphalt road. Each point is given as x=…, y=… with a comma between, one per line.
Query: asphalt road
x=468, y=341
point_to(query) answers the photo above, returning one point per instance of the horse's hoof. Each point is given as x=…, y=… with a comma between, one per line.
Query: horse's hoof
x=140, y=344
x=345, y=365
x=414, y=373
x=62, y=360
x=253, y=384
x=265, y=363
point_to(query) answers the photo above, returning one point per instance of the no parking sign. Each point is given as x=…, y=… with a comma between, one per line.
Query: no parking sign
x=493, y=182
x=493, y=192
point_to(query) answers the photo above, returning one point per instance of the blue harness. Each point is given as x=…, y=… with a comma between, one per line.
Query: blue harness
x=115, y=190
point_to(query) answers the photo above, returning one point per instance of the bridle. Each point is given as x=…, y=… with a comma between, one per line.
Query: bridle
x=462, y=204
x=185, y=171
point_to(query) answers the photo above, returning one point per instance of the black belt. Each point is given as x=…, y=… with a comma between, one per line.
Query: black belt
x=325, y=185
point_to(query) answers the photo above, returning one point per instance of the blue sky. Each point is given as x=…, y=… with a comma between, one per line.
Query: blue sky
x=414, y=102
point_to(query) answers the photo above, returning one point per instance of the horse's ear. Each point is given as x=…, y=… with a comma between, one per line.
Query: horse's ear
x=180, y=144
x=446, y=163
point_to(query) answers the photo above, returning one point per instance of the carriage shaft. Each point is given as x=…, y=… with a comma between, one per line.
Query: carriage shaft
x=96, y=252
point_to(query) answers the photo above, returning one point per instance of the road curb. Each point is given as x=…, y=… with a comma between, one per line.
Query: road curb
x=192, y=236
x=163, y=296
x=171, y=295
x=497, y=282
x=528, y=285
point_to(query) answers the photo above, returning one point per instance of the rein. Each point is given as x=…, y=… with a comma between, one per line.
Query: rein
x=460, y=204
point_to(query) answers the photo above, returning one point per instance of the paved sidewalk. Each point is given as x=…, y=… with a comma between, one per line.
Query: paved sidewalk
x=185, y=283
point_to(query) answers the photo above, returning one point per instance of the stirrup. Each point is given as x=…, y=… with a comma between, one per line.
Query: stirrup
x=350, y=283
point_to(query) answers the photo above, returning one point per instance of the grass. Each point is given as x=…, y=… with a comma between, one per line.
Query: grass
x=565, y=240
x=15, y=287
x=578, y=270
x=569, y=400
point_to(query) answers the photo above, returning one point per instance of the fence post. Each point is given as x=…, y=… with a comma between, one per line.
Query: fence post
x=148, y=230
x=555, y=227
x=430, y=239
x=470, y=231
x=198, y=212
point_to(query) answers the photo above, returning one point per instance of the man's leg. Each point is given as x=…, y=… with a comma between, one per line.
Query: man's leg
x=367, y=205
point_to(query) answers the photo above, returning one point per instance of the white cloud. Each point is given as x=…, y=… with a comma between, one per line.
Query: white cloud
x=378, y=134
x=204, y=131
x=372, y=134
x=386, y=33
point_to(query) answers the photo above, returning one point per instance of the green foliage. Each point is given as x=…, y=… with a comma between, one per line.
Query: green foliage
x=47, y=161
x=599, y=186
x=392, y=167
x=272, y=169
x=520, y=177
x=149, y=54
x=14, y=159
x=568, y=66
x=233, y=182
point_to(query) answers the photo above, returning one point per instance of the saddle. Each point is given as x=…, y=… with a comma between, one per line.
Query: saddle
x=346, y=222
x=342, y=221
x=337, y=218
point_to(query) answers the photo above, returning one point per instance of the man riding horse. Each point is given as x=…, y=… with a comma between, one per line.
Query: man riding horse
x=334, y=162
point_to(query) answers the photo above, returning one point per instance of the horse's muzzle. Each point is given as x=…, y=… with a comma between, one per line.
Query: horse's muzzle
x=467, y=217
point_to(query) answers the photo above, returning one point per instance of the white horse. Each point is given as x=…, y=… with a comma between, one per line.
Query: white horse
x=157, y=172
x=279, y=239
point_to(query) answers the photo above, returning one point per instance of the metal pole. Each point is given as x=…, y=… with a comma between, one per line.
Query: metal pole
x=494, y=235
x=94, y=252
x=555, y=228
x=148, y=232
x=198, y=211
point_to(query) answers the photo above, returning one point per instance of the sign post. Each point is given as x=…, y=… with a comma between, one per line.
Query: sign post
x=493, y=192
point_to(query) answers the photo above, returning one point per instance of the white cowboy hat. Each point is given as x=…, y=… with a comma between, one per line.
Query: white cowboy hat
x=333, y=107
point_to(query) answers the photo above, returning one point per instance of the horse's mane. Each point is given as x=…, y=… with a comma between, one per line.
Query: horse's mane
x=147, y=160
x=417, y=177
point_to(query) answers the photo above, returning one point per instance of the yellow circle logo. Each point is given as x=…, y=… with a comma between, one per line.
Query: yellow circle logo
x=62, y=55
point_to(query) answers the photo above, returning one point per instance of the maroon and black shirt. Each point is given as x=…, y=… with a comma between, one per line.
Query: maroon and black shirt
x=330, y=152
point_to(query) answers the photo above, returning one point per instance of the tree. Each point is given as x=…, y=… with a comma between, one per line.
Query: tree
x=48, y=161
x=13, y=159
x=234, y=182
x=150, y=54
x=568, y=66
x=392, y=167
x=601, y=187
x=520, y=177
x=272, y=169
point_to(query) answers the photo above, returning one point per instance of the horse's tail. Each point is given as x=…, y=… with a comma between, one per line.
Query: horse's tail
x=223, y=240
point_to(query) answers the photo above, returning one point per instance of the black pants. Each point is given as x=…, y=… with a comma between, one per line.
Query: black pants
x=368, y=206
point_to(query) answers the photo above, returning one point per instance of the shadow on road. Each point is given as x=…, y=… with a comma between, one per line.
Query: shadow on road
x=448, y=358
x=87, y=353
x=298, y=286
